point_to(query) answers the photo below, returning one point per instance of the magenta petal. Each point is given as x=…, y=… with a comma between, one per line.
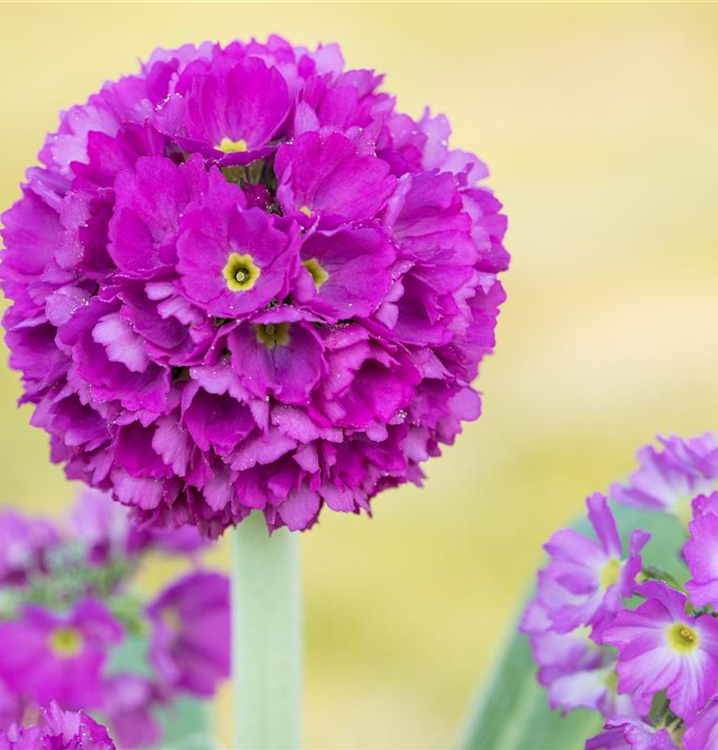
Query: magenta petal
x=331, y=178
x=218, y=421
x=289, y=370
x=300, y=509
x=357, y=263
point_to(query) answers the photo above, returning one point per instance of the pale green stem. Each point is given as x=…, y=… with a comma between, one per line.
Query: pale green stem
x=267, y=642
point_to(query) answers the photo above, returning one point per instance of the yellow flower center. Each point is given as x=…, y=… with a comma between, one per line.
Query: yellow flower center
x=682, y=638
x=306, y=210
x=610, y=573
x=232, y=147
x=317, y=272
x=65, y=642
x=272, y=334
x=240, y=273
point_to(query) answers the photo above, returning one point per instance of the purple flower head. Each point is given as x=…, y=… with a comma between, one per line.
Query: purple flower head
x=24, y=543
x=190, y=638
x=631, y=734
x=593, y=574
x=669, y=478
x=46, y=655
x=58, y=730
x=660, y=647
x=241, y=280
x=701, y=552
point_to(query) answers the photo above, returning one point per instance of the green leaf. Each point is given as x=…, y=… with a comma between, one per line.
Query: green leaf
x=510, y=712
x=186, y=725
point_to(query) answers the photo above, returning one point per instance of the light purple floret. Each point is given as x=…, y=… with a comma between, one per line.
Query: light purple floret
x=661, y=647
x=669, y=478
x=242, y=280
x=24, y=544
x=190, y=639
x=47, y=655
x=592, y=574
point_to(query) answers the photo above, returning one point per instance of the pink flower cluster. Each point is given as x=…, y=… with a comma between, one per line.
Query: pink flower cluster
x=69, y=615
x=629, y=640
x=242, y=280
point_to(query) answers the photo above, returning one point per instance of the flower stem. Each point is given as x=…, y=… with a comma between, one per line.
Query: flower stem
x=266, y=638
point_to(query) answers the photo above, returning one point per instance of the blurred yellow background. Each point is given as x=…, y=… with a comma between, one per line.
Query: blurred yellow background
x=600, y=125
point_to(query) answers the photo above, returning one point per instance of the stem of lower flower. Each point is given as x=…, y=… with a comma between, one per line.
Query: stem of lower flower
x=267, y=641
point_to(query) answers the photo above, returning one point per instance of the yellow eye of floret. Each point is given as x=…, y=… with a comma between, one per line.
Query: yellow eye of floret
x=232, y=147
x=240, y=273
x=682, y=638
x=316, y=271
x=272, y=334
x=65, y=641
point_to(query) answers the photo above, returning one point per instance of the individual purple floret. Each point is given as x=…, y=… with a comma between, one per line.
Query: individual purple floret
x=661, y=647
x=240, y=279
x=574, y=669
x=593, y=574
x=49, y=656
x=669, y=478
x=58, y=730
x=556, y=654
x=129, y=700
x=24, y=543
x=190, y=640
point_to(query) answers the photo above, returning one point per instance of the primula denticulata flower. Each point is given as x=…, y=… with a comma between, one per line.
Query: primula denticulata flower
x=241, y=279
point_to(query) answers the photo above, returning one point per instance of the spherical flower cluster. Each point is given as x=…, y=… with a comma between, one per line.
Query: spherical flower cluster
x=242, y=280
x=631, y=641
x=66, y=614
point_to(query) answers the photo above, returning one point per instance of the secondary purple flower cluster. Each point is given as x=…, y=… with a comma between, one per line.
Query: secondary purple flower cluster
x=631, y=641
x=242, y=280
x=58, y=730
x=69, y=619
